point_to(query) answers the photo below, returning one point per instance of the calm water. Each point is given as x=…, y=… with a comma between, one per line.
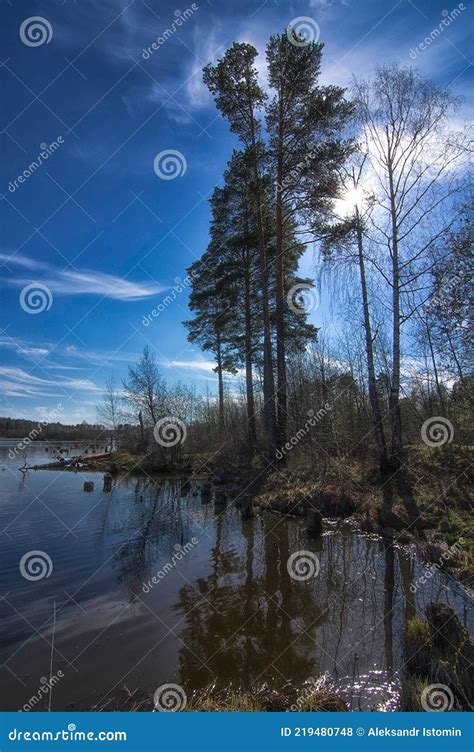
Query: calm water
x=227, y=611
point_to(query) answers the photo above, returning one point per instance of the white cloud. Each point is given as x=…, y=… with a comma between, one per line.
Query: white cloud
x=198, y=364
x=83, y=282
x=18, y=383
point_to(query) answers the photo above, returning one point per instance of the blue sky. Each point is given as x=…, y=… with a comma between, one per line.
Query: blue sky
x=94, y=225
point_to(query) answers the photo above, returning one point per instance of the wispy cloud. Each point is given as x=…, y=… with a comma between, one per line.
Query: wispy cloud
x=15, y=382
x=195, y=365
x=76, y=282
x=23, y=347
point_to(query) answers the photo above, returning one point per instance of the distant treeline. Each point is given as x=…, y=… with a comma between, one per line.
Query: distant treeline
x=16, y=428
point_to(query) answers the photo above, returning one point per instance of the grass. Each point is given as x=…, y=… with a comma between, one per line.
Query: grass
x=432, y=506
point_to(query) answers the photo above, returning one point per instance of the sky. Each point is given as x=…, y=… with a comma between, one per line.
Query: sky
x=96, y=238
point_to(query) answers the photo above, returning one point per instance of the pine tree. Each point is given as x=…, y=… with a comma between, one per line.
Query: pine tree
x=303, y=121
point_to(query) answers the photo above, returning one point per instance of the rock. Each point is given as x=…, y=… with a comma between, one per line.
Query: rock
x=88, y=485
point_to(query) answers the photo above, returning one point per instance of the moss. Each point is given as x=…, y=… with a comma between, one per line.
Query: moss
x=418, y=647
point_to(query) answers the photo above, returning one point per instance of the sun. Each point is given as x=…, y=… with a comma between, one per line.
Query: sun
x=354, y=197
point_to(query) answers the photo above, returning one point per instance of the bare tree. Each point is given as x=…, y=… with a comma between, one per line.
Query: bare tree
x=416, y=174
x=110, y=410
x=145, y=390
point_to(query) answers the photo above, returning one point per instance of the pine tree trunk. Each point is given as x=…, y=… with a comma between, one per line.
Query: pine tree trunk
x=251, y=425
x=220, y=381
x=280, y=299
x=268, y=380
x=373, y=394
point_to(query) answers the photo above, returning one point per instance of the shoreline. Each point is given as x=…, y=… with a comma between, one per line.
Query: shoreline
x=365, y=510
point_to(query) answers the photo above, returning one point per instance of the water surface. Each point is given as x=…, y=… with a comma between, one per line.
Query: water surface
x=226, y=611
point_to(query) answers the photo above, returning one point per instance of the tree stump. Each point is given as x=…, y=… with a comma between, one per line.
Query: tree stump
x=246, y=506
x=206, y=493
x=107, y=483
x=314, y=523
x=220, y=499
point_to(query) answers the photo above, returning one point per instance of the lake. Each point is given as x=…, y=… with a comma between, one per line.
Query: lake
x=151, y=584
